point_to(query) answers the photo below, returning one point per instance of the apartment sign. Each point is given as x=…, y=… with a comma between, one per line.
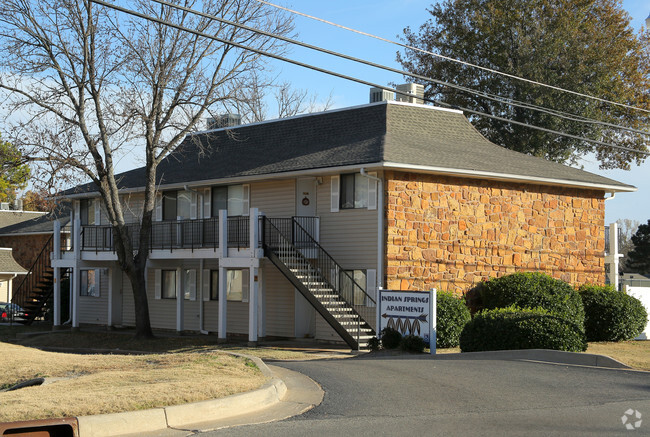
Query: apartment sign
x=409, y=312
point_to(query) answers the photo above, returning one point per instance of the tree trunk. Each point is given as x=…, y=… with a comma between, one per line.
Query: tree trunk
x=138, y=285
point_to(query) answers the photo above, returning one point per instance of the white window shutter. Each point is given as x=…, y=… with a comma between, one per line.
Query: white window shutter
x=335, y=191
x=193, y=206
x=192, y=284
x=371, y=286
x=245, y=292
x=207, y=203
x=158, y=284
x=206, y=285
x=159, y=206
x=98, y=211
x=246, y=200
x=372, y=191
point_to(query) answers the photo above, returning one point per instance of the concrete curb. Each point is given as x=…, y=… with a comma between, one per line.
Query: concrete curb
x=180, y=416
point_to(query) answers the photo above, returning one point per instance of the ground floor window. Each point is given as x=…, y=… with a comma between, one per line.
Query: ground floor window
x=348, y=289
x=237, y=285
x=89, y=283
x=168, y=285
x=214, y=284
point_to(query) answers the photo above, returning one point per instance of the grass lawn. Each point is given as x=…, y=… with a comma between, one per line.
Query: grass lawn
x=635, y=354
x=96, y=384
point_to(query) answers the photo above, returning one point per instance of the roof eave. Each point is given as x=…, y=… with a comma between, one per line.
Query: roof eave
x=506, y=177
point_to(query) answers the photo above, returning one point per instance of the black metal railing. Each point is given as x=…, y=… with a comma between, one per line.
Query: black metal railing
x=293, y=243
x=29, y=294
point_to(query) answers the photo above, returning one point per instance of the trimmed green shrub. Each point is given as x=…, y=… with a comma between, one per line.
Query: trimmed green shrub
x=517, y=328
x=452, y=316
x=374, y=344
x=534, y=290
x=390, y=338
x=611, y=315
x=412, y=343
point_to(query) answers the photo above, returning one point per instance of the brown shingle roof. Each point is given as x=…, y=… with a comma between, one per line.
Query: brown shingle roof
x=371, y=134
x=8, y=264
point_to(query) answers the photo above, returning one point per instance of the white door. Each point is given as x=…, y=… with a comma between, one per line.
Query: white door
x=306, y=197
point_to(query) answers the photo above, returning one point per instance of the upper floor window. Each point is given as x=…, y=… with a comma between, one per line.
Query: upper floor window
x=354, y=191
x=87, y=212
x=233, y=198
x=176, y=204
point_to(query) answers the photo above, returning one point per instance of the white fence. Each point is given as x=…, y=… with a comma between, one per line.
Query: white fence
x=643, y=294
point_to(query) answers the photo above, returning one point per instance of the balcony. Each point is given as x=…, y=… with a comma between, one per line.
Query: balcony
x=191, y=234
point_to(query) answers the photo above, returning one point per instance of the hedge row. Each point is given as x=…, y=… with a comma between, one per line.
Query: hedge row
x=521, y=328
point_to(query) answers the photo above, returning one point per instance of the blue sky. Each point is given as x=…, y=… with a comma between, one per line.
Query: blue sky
x=387, y=19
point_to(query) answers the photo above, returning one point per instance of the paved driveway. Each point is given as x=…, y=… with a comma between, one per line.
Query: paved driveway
x=424, y=397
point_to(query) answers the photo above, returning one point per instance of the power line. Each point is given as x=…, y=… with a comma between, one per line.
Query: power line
x=492, y=97
x=451, y=59
x=350, y=78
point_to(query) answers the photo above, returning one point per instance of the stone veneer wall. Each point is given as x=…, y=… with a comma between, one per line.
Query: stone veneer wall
x=451, y=233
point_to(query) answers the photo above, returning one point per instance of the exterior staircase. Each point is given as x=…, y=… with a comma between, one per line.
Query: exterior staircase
x=320, y=279
x=35, y=292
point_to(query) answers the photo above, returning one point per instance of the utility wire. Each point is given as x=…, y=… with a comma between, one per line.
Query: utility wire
x=351, y=78
x=406, y=46
x=500, y=99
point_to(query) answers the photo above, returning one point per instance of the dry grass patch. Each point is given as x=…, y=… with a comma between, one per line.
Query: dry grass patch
x=635, y=354
x=98, y=384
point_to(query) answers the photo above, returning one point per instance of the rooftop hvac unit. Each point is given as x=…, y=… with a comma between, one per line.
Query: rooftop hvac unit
x=415, y=93
x=4, y=206
x=225, y=120
x=381, y=95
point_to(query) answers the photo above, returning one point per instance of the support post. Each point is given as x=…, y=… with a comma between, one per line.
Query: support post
x=252, y=307
x=223, y=304
x=76, y=274
x=180, y=299
x=57, y=298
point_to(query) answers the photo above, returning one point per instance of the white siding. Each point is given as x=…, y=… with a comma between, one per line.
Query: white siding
x=132, y=206
x=128, y=306
x=324, y=331
x=162, y=312
x=237, y=320
x=349, y=235
x=279, y=303
x=94, y=310
x=275, y=198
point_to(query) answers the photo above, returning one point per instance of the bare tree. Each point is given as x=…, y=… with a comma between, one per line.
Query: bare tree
x=252, y=100
x=93, y=82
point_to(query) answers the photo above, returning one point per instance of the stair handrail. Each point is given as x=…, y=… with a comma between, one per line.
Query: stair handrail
x=34, y=273
x=321, y=250
x=317, y=245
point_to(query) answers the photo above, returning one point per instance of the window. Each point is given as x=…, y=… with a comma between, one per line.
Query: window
x=89, y=283
x=177, y=204
x=233, y=198
x=169, y=199
x=168, y=286
x=237, y=285
x=87, y=213
x=214, y=284
x=351, y=291
x=354, y=191
x=189, y=284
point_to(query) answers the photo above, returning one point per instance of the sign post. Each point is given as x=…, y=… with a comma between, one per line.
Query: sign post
x=409, y=312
